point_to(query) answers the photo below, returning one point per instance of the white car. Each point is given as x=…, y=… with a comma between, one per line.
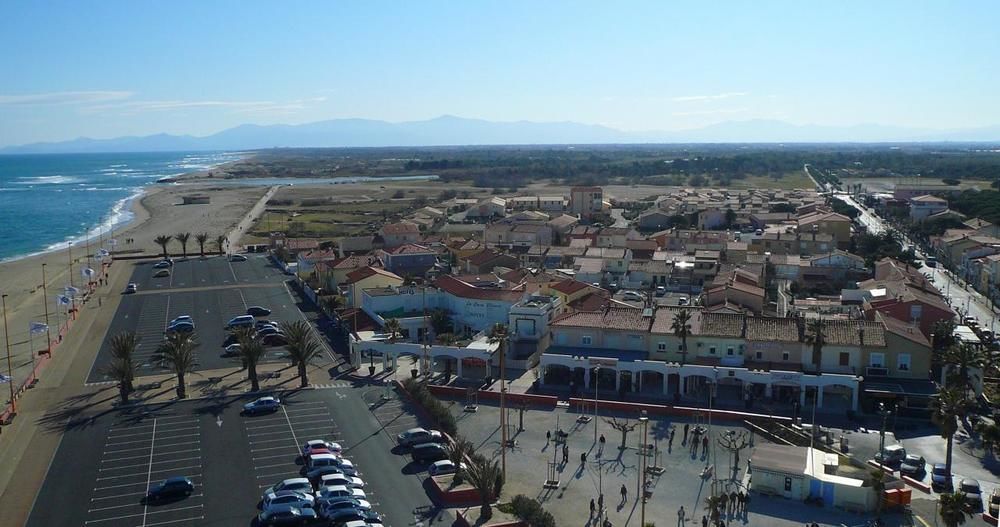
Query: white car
x=339, y=491
x=419, y=436
x=297, y=484
x=293, y=498
x=445, y=466
x=331, y=506
x=341, y=480
x=632, y=296
x=321, y=446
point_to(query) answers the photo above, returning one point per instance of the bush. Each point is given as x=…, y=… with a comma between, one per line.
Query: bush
x=531, y=511
x=438, y=412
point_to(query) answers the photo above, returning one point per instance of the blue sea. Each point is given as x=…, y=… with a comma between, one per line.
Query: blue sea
x=49, y=200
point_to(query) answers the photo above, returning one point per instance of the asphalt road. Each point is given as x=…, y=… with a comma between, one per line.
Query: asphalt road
x=212, y=291
x=107, y=460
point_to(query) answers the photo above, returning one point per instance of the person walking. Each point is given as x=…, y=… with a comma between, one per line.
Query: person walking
x=723, y=502
x=732, y=501
x=624, y=494
x=591, y=507
x=684, y=438
x=548, y=436
x=704, y=445
x=704, y=521
x=746, y=504
x=583, y=458
x=565, y=453
x=680, y=516
x=670, y=442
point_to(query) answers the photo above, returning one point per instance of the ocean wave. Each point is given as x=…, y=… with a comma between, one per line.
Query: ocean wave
x=121, y=214
x=49, y=180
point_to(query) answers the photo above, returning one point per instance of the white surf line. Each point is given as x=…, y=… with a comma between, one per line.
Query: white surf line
x=152, y=448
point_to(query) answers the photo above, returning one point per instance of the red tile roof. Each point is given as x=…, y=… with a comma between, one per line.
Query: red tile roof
x=623, y=318
x=361, y=274
x=462, y=289
x=568, y=287
x=400, y=228
x=409, y=248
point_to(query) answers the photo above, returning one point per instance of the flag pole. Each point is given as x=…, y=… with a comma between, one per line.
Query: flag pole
x=45, y=301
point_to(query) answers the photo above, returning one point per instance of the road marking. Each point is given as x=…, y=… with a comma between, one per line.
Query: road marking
x=144, y=515
x=152, y=445
x=175, y=521
x=262, y=467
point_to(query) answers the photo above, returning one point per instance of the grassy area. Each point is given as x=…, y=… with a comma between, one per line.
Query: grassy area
x=328, y=221
x=882, y=184
x=788, y=181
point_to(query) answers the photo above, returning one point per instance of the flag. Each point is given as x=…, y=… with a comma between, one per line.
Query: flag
x=87, y=272
x=36, y=328
x=102, y=253
x=63, y=300
x=71, y=291
x=4, y=379
x=112, y=242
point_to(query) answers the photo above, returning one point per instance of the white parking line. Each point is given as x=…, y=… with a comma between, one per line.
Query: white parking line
x=175, y=521
x=143, y=514
x=106, y=460
x=152, y=448
x=119, y=436
x=194, y=477
x=267, y=441
x=117, y=496
x=161, y=429
x=279, y=425
x=262, y=467
x=285, y=456
x=175, y=469
x=274, y=448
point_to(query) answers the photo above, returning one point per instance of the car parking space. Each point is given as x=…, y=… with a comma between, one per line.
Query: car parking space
x=138, y=456
x=275, y=440
x=149, y=311
x=394, y=416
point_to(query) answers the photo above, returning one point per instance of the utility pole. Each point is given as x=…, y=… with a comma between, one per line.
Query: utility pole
x=884, y=411
x=45, y=302
x=597, y=379
x=503, y=407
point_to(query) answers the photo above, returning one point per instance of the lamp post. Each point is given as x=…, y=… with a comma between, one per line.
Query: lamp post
x=883, y=411
x=45, y=302
x=597, y=378
x=642, y=470
x=10, y=368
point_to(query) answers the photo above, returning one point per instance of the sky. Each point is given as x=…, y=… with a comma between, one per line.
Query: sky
x=104, y=69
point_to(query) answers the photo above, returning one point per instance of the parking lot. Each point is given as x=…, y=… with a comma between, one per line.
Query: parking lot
x=106, y=461
x=212, y=291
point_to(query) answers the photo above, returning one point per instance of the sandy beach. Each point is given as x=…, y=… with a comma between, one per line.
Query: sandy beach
x=158, y=211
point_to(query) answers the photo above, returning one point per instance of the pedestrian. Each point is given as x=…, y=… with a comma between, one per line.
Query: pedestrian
x=624, y=493
x=601, y=441
x=565, y=454
x=685, y=437
x=670, y=443
x=680, y=516
x=723, y=502
x=732, y=501
x=591, y=507
x=548, y=436
x=583, y=458
x=704, y=445
x=704, y=521
x=746, y=503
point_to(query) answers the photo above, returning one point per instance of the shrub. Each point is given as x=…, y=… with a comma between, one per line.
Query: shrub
x=531, y=511
x=437, y=411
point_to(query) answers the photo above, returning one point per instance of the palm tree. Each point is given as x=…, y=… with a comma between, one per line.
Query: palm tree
x=302, y=347
x=878, y=488
x=946, y=409
x=953, y=509
x=251, y=351
x=220, y=243
x=943, y=335
x=498, y=336
x=681, y=327
x=332, y=302
x=970, y=360
x=458, y=451
x=201, y=238
x=122, y=367
x=178, y=353
x=440, y=321
x=393, y=329
x=816, y=336
x=486, y=477
x=712, y=504
x=162, y=240
x=446, y=339
x=183, y=237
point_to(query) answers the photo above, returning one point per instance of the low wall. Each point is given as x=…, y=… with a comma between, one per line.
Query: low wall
x=463, y=522
x=662, y=409
x=464, y=496
x=452, y=392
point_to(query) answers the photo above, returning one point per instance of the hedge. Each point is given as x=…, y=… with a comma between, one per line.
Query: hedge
x=531, y=511
x=438, y=412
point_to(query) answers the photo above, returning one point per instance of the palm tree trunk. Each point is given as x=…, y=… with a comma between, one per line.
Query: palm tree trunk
x=181, y=387
x=123, y=392
x=947, y=455
x=254, y=383
x=485, y=512
x=303, y=376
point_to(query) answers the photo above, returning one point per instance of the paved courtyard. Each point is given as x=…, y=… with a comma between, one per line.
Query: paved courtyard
x=680, y=485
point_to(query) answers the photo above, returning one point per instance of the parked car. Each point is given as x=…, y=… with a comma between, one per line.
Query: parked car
x=342, y=466
x=162, y=264
x=286, y=515
x=161, y=273
x=274, y=339
x=428, y=453
x=262, y=323
x=315, y=444
x=341, y=480
x=344, y=515
x=180, y=327
x=296, y=484
x=171, y=488
x=232, y=350
x=418, y=436
x=971, y=321
x=445, y=466
x=321, y=460
x=891, y=455
x=994, y=505
x=912, y=465
x=264, y=404
x=131, y=288
x=240, y=321
x=632, y=296
x=972, y=491
x=267, y=330
x=340, y=491
x=661, y=291
x=182, y=318
x=294, y=498
x=329, y=505
x=237, y=258
x=258, y=311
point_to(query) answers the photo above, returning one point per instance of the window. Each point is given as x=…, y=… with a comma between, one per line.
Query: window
x=877, y=360
x=903, y=362
x=916, y=310
x=784, y=355
x=730, y=351
x=661, y=346
x=587, y=340
x=759, y=355
x=845, y=358
x=712, y=350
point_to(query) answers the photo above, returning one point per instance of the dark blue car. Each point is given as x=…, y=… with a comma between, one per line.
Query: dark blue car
x=171, y=488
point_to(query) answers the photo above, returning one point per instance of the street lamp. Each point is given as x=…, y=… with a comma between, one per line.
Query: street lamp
x=10, y=368
x=597, y=379
x=642, y=470
x=883, y=411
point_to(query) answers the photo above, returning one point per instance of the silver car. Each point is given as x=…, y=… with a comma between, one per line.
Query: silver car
x=294, y=498
x=419, y=436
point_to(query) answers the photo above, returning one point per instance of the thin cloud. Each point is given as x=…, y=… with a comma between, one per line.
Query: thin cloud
x=715, y=97
x=65, y=97
x=721, y=111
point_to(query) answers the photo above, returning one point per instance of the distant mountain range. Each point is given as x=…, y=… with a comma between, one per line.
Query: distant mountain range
x=450, y=130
